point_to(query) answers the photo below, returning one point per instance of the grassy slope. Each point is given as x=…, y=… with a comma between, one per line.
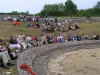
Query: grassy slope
x=7, y=29
x=88, y=28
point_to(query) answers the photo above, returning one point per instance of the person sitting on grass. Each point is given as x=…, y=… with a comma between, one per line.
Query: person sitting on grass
x=71, y=28
x=5, y=56
x=76, y=27
x=29, y=25
x=14, y=44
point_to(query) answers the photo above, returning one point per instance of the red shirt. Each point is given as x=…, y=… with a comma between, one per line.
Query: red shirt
x=32, y=38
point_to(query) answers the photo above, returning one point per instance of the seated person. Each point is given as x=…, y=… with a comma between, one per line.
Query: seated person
x=49, y=40
x=60, y=39
x=14, y=43
x=1, y=39
x=77, y=27
x=16, y=23
x=29, y=25
x=74, y=38
x=97, y=37
x=38, y=26
x=21, y=42
x=94, y=36
x=4, y=56
x=70, y=27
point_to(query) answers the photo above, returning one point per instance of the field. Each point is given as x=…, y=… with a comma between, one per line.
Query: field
x=7, y=29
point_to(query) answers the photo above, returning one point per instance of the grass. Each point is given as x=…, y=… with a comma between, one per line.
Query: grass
x=7, y=29
x=13, y=71
x=90, y=29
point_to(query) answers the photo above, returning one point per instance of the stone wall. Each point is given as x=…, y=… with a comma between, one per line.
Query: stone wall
x=80, y=19
x=37, y=58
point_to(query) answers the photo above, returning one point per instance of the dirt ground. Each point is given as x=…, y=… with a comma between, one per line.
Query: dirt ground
x=82, y=62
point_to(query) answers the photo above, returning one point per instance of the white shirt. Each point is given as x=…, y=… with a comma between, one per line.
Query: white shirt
x=28, y=38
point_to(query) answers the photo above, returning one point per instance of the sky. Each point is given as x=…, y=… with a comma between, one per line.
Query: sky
x=35, y=6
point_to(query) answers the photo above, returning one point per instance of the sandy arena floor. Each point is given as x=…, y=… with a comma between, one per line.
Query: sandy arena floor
x=83, y=62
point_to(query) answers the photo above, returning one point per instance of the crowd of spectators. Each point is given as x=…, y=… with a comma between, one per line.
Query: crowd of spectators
x=10, y=49
x=16, y=17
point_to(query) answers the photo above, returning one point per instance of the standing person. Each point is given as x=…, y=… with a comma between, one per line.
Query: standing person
x=56, y=21
x=46, y=20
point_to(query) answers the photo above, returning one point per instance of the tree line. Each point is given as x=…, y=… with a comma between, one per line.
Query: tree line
x=69, y=8
x=16, y=13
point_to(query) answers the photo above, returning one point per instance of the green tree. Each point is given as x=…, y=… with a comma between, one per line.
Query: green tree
x=97, y=9
x=14, y=13
x=97, y=5
x=86, y=13
x=27, y=12
x=53, y=10
x=70, y=8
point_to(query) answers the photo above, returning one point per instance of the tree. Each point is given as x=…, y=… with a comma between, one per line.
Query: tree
x=97, y=9
x=53, y=10
x=27, y=12
x=70, y=8
x=14, y=13
x=97, y=5
x=87, y=12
